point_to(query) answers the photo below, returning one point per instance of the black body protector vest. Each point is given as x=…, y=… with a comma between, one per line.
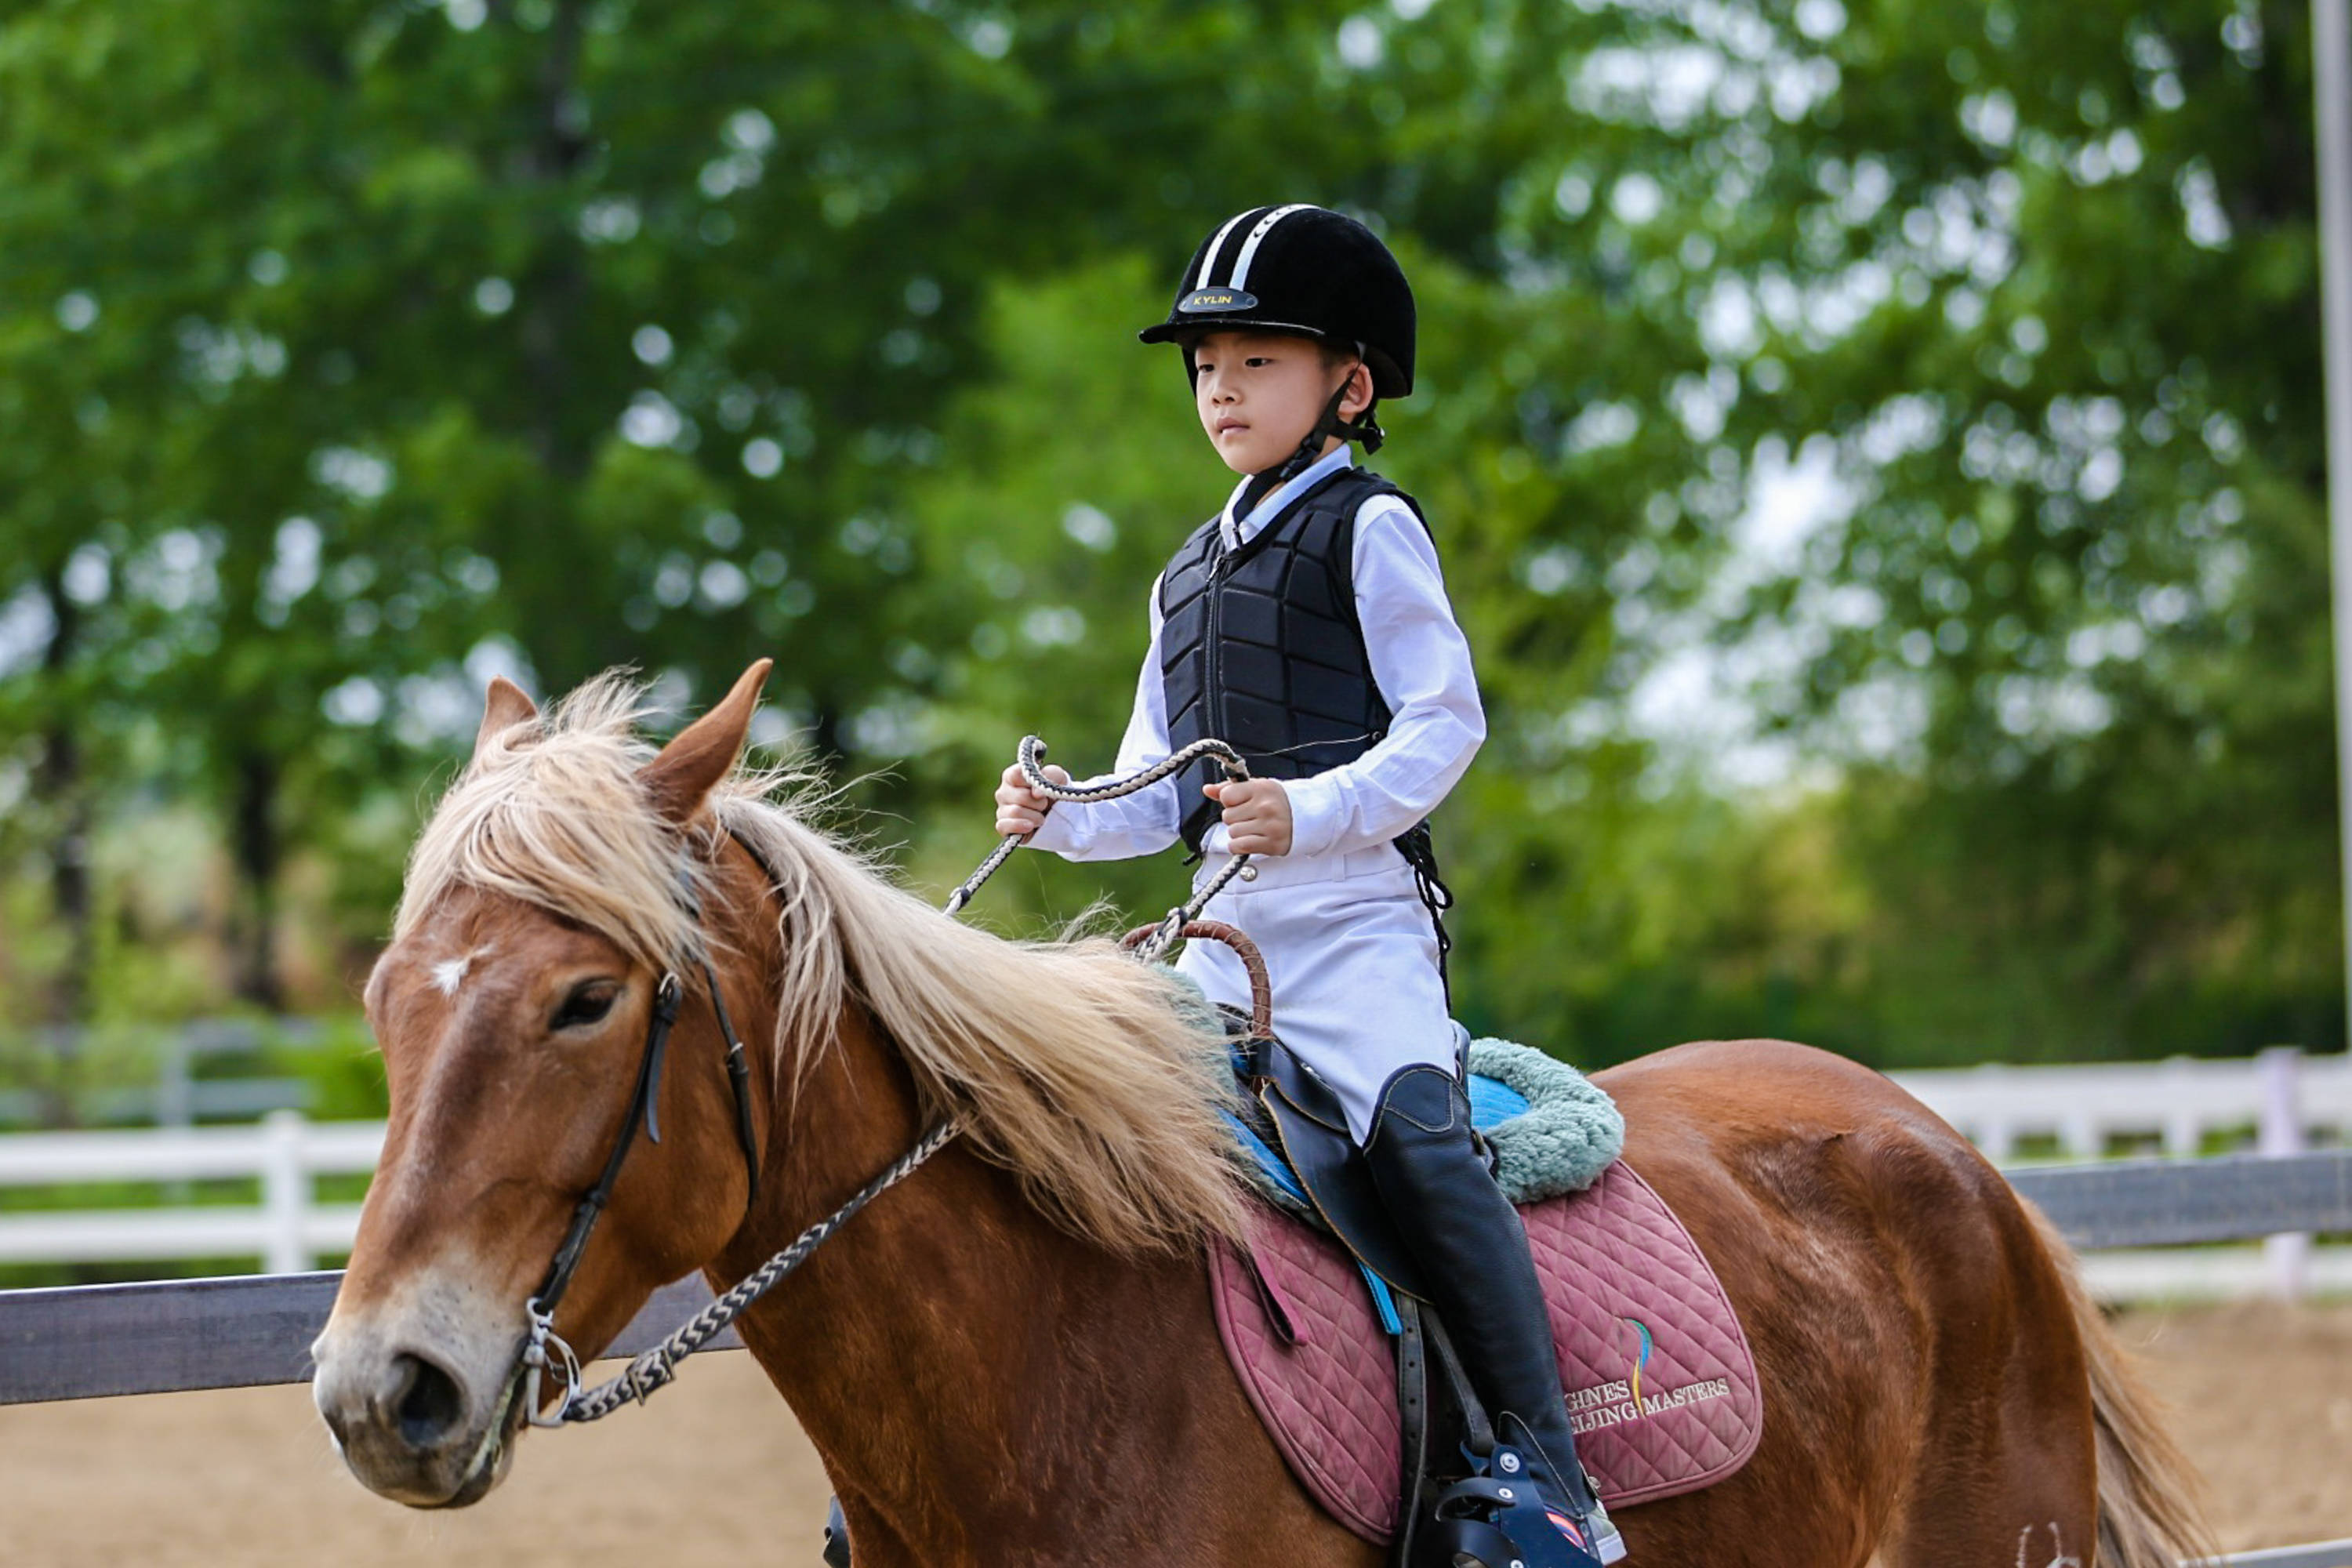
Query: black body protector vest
x=1260, y=646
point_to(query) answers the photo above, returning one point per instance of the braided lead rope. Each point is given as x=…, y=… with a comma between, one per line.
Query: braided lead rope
x=1032, y=758
x=988, y=867
x=1151, y=949
x=658, y=1367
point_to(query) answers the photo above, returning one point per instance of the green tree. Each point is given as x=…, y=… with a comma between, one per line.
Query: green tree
x=391, y=343
x=608, y=330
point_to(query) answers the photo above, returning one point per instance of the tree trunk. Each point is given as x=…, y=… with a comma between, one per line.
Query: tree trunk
x=557, y=292
x=824, y=737
x=259, y=852
x=59, y=785
x=554, y=290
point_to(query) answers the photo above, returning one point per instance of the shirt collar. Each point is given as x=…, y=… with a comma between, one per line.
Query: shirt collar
x=1238, y=529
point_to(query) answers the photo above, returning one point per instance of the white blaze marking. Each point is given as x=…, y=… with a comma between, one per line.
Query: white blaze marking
x=450, y=973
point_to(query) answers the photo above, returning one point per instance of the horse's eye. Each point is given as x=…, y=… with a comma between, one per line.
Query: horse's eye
x=588, y=1004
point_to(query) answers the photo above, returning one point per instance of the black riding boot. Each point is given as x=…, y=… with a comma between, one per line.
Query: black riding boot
x=1473, y=1253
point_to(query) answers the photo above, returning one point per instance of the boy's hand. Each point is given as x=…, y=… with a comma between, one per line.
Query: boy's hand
x=1019, y=808
x=1257, y=815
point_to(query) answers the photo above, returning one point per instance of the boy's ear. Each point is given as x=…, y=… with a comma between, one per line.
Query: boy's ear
x=1360, y=392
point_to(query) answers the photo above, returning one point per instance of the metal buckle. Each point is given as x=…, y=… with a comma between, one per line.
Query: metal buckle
x=537, y=1364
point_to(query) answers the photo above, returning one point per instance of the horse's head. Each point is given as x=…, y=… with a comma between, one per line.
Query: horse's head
x=513, y=1010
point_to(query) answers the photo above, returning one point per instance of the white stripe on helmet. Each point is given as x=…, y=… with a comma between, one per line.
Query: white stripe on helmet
x=1240, y=279
x=1209, y=256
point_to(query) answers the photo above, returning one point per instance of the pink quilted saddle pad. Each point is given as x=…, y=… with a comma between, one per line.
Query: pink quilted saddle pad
x=1661, y=1388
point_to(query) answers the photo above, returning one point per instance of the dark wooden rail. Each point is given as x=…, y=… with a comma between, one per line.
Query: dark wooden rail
x=89, y=1341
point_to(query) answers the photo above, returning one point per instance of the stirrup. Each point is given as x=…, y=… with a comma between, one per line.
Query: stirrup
x=1499, y=1518
x=1605, y=1541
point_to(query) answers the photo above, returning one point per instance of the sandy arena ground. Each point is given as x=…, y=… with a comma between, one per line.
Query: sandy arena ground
x=714, y=1471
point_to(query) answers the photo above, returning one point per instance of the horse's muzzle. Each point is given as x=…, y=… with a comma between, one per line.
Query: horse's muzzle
x=418, y=1419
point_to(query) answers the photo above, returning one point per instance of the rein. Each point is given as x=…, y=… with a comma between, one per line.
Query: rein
x=1169, y=932
x=658, y=1367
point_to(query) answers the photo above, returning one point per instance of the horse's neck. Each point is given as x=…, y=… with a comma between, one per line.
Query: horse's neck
x=920, y=1341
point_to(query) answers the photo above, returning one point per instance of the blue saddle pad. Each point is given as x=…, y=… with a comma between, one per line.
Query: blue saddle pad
x=1492, y=1103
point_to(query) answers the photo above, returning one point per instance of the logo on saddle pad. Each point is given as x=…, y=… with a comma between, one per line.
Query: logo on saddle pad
x=1615, y=1403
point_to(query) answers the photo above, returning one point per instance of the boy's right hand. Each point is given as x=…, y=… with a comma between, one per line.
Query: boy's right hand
x=1019, y=808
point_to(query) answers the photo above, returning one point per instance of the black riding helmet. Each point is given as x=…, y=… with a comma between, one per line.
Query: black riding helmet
x=1310, y=271
x=1304, y=270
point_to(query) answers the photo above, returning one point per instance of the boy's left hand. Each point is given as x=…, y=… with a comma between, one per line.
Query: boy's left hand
x=1256, y=816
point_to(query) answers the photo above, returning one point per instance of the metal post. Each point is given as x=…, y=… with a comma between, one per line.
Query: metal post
x=2331, y=39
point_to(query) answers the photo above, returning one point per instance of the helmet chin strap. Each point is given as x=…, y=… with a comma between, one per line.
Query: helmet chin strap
x=1361, y=429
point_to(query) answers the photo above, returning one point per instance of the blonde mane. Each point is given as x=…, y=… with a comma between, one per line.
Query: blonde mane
x=1096, y=1079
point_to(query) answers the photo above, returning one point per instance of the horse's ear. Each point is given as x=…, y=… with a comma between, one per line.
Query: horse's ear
x=704, y=751
x=503, y=707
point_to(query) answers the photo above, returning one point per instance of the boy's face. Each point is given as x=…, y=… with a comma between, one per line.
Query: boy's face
x=1259, y=393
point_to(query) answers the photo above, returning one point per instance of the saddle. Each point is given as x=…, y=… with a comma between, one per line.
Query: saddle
x=1351, y=1378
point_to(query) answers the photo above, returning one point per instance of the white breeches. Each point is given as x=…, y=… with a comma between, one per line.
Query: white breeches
x=1353, y=958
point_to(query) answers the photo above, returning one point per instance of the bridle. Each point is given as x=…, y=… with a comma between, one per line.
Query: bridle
x=543, y=1349
x=643, y=1107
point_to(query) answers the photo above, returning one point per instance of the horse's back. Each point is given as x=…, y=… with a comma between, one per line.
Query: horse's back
x=1800, y=1140
x=1905, y=1314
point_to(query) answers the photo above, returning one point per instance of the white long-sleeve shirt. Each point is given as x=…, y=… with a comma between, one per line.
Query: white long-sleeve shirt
x=1419, y=661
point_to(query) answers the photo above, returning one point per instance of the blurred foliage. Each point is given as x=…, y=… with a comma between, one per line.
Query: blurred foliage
x=354, y=351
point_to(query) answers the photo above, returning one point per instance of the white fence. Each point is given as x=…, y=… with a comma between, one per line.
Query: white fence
x=2284, y=1099
x=2282, y=1096
x=287, y=1231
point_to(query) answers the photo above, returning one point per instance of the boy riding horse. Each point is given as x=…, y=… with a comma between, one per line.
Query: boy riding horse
x=1308, y=625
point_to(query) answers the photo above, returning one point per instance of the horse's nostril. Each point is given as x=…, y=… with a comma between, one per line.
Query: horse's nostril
x=430, y=1402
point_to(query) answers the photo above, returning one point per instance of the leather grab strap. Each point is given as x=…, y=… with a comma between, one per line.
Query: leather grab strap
x=1311, y=1124
x=1253, y=960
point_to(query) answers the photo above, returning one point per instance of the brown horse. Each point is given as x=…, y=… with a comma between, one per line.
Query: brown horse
x=1011, y=1358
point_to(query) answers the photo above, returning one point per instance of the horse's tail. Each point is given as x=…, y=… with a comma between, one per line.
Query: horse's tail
x=2151, y=1498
